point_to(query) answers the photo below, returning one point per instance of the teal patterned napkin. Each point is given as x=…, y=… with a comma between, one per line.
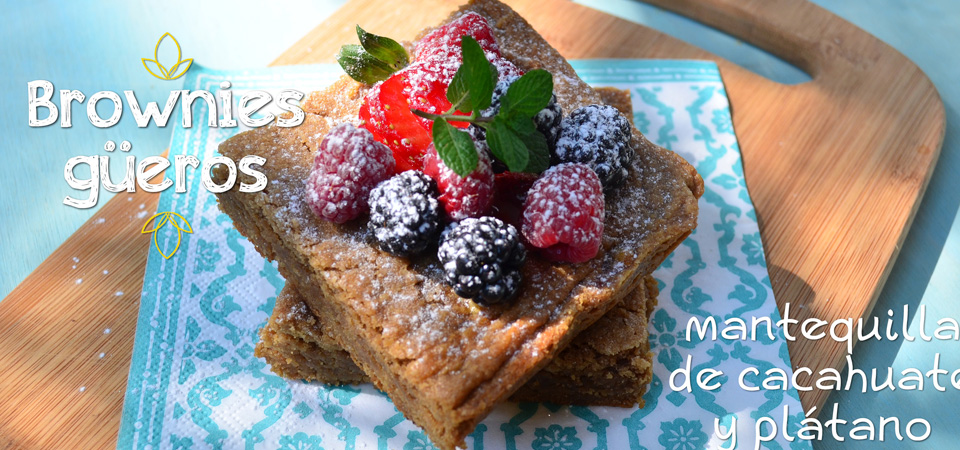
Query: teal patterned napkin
x=195, y=384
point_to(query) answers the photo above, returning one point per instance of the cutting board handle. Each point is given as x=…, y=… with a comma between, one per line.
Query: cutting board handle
x=815, y=40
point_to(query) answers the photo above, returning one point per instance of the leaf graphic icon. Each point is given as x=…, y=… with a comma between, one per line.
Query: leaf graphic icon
x=156, y=49
x=164, y=73
x=176, y=223
x=157, y=244
x=161, y=217
x=173, y=70
x=160, y=220
x=160, y=73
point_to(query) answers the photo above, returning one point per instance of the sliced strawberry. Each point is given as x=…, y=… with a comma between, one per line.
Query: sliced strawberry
x=386, y=113
x=425, y=87
x=505, y=68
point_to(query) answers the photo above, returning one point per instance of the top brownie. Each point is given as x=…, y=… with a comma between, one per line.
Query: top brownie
x=444, y=361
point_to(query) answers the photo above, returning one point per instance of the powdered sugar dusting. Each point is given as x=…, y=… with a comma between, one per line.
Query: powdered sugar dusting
x=599, y=136
x=347, y=166
x=411, y=315
x=462, y=197
x=563, y=213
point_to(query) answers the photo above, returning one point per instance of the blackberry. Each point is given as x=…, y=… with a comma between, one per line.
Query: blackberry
x=598, y=136
x=547, y=120
x=481, y=259
x=405, y=213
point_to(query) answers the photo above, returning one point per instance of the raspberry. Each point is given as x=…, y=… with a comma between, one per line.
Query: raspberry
x=444, y=42
x=563, y=213
x=349, y=163
x=461, y=197
x=386, y=113
x=482, y=258
x=599, y=136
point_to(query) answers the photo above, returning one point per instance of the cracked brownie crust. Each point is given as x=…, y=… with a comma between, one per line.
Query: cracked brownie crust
x=445, y=362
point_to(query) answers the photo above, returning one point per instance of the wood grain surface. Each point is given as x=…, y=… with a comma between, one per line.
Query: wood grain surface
x=836, y=168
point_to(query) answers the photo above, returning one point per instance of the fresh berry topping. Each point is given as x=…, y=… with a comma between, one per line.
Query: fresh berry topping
x=563, y=213
x=547, y=120
x=386, y=113
x=442, y=50
x=404, y=213
x=505, y=69
x=444, y=42
x=425, y=88
x=599, y=136
x=349, y=163
x=461, y=197
x=509, y=192
x=482, y=258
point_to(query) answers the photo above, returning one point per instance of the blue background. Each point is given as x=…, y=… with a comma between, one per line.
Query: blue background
x=97, y=46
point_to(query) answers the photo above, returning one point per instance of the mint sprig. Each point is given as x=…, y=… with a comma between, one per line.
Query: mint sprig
x=472, y=86
x=375, y=59
x=511, y=133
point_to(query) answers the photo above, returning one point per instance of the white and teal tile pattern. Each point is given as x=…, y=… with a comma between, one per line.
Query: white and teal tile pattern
x=194, y=383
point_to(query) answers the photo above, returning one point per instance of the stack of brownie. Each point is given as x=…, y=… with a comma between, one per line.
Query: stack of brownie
x=576, y=334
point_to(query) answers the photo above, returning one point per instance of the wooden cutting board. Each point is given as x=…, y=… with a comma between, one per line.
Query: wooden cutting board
x=836, y=168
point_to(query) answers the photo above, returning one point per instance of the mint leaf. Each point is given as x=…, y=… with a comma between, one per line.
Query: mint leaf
x=454, y=147
x=507, y=145
x=458, y=93
x=535, y=142
x=362, y=66
x=529, y=94
x=384, y=49
x=472, y=86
